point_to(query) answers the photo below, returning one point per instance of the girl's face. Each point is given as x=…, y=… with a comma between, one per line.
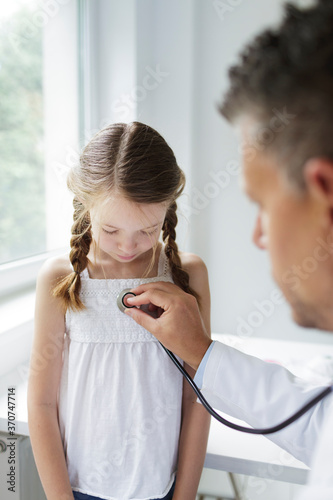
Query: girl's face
x=126, y=230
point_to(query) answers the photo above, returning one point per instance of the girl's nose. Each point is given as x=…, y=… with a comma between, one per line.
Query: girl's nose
x=127, y=245
x=259, y=238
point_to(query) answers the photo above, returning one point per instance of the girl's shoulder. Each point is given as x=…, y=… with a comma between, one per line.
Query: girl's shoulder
x=192, y=262
x=194, y=266
x=49, y=309
x=56, y=267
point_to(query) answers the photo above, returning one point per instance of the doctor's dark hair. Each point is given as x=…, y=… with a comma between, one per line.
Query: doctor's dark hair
x=284, y=83
x=132, y=160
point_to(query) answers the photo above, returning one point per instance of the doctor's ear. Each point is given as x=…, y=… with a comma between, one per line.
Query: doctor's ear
x=318, y=176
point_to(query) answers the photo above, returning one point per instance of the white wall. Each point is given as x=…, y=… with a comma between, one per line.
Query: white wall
x=240, y=273
x=193, y=43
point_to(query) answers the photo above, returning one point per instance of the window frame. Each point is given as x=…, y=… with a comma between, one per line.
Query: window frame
x=19, y=275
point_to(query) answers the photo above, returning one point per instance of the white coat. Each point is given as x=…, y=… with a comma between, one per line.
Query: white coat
x=263, y=394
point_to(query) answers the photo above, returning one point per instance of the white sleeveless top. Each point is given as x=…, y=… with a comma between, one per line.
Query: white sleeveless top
x=119, y=399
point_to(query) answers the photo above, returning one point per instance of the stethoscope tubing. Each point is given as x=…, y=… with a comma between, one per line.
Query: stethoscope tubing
x=249, y=430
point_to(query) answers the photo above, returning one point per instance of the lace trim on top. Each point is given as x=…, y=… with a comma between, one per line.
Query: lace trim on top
x=102, y=321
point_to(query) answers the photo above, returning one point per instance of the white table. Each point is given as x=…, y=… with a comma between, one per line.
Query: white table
x=228, y=450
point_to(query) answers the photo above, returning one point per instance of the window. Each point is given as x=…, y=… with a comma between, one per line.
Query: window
x=38, y=133
x=22, y=188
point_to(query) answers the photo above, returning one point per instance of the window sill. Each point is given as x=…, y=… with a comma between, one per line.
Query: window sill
x=16, y=329
x=20, y=275
x=16, y=310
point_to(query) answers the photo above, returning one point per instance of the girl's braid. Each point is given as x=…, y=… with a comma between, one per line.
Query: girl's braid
x=68, y=289
x=179, y=275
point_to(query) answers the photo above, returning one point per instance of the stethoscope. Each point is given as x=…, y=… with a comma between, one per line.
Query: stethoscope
x=269, y=430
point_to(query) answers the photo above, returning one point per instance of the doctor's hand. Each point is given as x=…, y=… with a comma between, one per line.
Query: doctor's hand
x=179, y=326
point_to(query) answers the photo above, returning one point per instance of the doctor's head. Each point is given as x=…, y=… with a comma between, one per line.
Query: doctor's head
x=281, y=99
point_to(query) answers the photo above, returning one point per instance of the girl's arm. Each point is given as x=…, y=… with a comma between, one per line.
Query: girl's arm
x=195, y=419
x=44, y=377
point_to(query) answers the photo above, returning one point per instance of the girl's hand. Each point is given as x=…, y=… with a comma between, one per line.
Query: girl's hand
x=179, y=326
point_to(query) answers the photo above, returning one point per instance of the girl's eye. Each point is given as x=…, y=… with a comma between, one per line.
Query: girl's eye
x=149, y=233
x=146, y=233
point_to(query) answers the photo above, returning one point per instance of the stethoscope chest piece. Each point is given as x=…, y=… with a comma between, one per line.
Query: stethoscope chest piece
x=121, y=299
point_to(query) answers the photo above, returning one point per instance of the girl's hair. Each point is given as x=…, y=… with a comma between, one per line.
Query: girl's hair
x=132, y=160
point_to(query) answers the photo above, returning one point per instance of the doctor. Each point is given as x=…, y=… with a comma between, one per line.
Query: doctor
x=281, y=99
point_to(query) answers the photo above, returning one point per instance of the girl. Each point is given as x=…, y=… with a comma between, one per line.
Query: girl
x=109, y=417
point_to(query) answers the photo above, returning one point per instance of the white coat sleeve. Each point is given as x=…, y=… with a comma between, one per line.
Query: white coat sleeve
x=321, y=475
x=263, y=394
